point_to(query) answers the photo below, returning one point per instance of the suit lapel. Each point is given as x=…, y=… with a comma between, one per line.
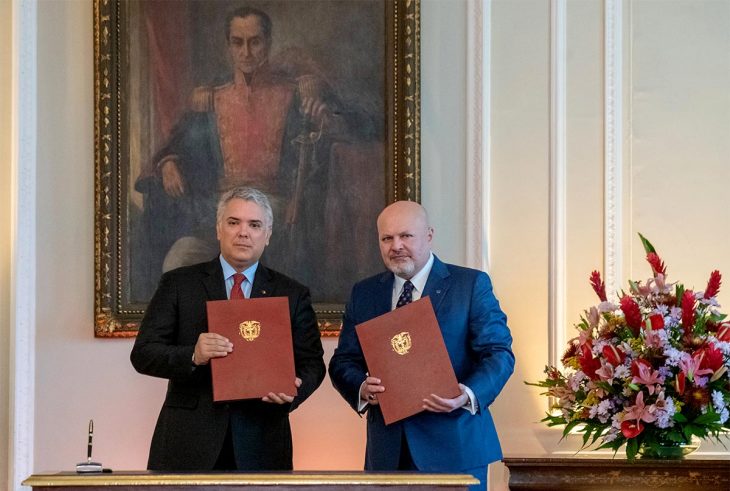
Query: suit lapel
x=384, y=296
x=438, y=283
x=214, y=282
x=263, y=284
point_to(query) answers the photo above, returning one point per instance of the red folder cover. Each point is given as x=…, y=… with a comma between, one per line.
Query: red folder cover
x=405, y=350
x=262, y=359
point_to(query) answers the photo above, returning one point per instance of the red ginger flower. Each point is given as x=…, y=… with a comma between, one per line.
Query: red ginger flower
x=688, y=312
x=657, y=265
x=598, y=286
x=713, y=285
x=632, y=314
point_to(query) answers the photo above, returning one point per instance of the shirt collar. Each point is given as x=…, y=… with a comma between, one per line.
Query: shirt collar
x=419, y=279
x=229, y=271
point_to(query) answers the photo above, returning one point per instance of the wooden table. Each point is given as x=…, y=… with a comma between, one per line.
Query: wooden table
x=292, y=481
x=599, y=472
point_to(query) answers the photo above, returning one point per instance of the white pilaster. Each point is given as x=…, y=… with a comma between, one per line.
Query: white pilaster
x=613, y=144
x=558, y=185
x=23, y=247
x=477, y=136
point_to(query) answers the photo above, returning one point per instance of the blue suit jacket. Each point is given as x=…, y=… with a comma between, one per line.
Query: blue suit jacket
x=479, y=344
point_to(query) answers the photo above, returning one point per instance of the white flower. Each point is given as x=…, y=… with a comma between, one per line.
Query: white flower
x=621, y=372
x=674, y=356
x=724, y=416
x=575, y=380
x=607, y=307
x=665, y=416
x=601, y=410
x=718, y=400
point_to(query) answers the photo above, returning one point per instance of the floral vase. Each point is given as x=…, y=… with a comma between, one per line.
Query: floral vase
x=669, y=450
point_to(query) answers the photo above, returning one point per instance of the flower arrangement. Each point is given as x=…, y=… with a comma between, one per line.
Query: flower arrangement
x=649, y=372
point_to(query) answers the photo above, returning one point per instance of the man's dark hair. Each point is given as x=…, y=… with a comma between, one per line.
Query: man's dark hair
x=244, y=12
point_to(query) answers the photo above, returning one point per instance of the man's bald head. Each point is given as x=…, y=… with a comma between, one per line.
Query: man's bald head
x=405, y=237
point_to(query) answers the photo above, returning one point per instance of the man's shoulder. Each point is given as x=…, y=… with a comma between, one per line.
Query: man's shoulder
x=280, y=279
x=455, y=269
x=440, y=267
x=373, y=282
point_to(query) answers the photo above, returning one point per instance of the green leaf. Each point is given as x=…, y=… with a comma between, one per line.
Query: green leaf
x=679, y=293
x=675, y=436
x=632, y=447
x=706, y=418
x=680, y=418
x=647, y=245
x=587, y=435
x=599, y=432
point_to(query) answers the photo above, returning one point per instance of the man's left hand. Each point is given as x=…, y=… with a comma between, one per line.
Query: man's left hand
x=314, y=108
x=282, y=398
x=437, y=404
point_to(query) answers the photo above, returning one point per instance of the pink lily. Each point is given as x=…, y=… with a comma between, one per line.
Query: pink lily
x=643, y=374
x=691, y=366
x=640, y=411
x=605, y=373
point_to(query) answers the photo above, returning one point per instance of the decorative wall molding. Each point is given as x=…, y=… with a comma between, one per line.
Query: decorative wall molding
x=478, y=115
x=558, y=172
x=613, y=143
x=23, y=245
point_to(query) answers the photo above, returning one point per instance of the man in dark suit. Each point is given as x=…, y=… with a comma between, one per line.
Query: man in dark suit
x=193, y=432
x=451, y=435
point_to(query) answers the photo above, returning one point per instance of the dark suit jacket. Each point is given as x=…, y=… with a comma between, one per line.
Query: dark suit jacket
x=479, y=344
x=191, y=427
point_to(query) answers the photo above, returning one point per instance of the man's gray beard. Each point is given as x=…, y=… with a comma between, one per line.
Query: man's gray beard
x=405, y=270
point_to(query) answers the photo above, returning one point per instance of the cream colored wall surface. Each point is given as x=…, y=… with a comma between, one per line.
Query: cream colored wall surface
x=6, y=44
x=680, y=142
x=443, y=129
x=78, y=377
x=519, y=207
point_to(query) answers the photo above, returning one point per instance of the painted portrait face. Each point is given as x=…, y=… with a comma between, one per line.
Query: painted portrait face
x=405, y=238
x=248, y=44
x=243, y=232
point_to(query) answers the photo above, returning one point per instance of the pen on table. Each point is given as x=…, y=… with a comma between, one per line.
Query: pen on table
x=91, y=435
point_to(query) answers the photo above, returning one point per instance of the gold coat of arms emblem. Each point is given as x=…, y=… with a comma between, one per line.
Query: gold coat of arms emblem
x=249, y=330
x=401, y=343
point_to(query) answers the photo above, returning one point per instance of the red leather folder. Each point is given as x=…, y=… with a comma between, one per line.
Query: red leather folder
x=262, y=359
x=405, y=350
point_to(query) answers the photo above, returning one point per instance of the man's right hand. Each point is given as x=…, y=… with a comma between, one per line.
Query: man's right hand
x=171, y=179
x=211, y=345
x=370, y=389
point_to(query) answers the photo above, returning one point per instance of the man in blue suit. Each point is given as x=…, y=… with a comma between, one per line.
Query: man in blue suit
x=450, y=435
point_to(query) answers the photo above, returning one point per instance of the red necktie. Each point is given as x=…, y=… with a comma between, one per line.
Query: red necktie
x=237, y=291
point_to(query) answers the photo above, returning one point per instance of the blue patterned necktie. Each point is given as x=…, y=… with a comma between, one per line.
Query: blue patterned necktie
x=407, y=296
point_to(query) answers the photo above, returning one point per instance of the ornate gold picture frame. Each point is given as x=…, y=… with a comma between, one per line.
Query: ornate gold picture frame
x=160, y=65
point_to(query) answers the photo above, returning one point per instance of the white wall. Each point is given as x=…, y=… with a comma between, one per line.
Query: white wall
x=676, y=119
